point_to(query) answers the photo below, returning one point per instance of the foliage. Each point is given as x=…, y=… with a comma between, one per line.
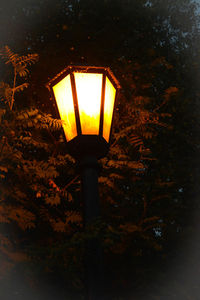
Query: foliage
x=30, y=164
x=20, y=67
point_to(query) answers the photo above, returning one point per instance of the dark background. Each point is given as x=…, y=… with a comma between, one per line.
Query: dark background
x=153, y=43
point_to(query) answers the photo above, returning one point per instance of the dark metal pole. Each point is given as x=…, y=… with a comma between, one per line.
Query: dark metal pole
x=93, y=257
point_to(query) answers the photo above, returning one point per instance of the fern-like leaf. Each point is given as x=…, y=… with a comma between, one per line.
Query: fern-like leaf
x=9, y=56
x=5, y=92
x=73, y=217
x=52, y=199
x=27, y=59
x=22, y=70
x=21, y=87
x=135, y=140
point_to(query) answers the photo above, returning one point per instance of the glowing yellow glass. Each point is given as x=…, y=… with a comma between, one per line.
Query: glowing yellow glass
x=110, y=92
x=63, y=94
x=88, y=87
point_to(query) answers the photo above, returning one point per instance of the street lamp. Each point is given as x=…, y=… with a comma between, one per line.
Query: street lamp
x=85, y=98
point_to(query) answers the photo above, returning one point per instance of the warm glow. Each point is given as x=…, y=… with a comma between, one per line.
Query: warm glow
x=79, y=96
x=88, y=87
x=64, y=99
x=110, y=92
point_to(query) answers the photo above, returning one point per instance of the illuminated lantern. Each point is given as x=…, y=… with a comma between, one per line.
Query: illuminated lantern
x=85, y=98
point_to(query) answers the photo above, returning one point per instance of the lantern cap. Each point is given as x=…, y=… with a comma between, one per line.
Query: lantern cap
x=84, y=69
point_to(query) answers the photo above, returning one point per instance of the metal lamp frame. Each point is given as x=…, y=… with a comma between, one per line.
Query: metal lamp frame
x=85, y=144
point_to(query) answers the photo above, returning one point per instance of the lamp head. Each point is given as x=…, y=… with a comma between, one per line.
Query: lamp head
x=85, y=98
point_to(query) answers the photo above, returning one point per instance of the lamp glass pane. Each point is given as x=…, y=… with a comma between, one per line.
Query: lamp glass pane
x=110, y=92
x=63, y=94
x=88, y=87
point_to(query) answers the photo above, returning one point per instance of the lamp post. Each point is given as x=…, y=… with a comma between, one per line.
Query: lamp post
x=85, y=98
